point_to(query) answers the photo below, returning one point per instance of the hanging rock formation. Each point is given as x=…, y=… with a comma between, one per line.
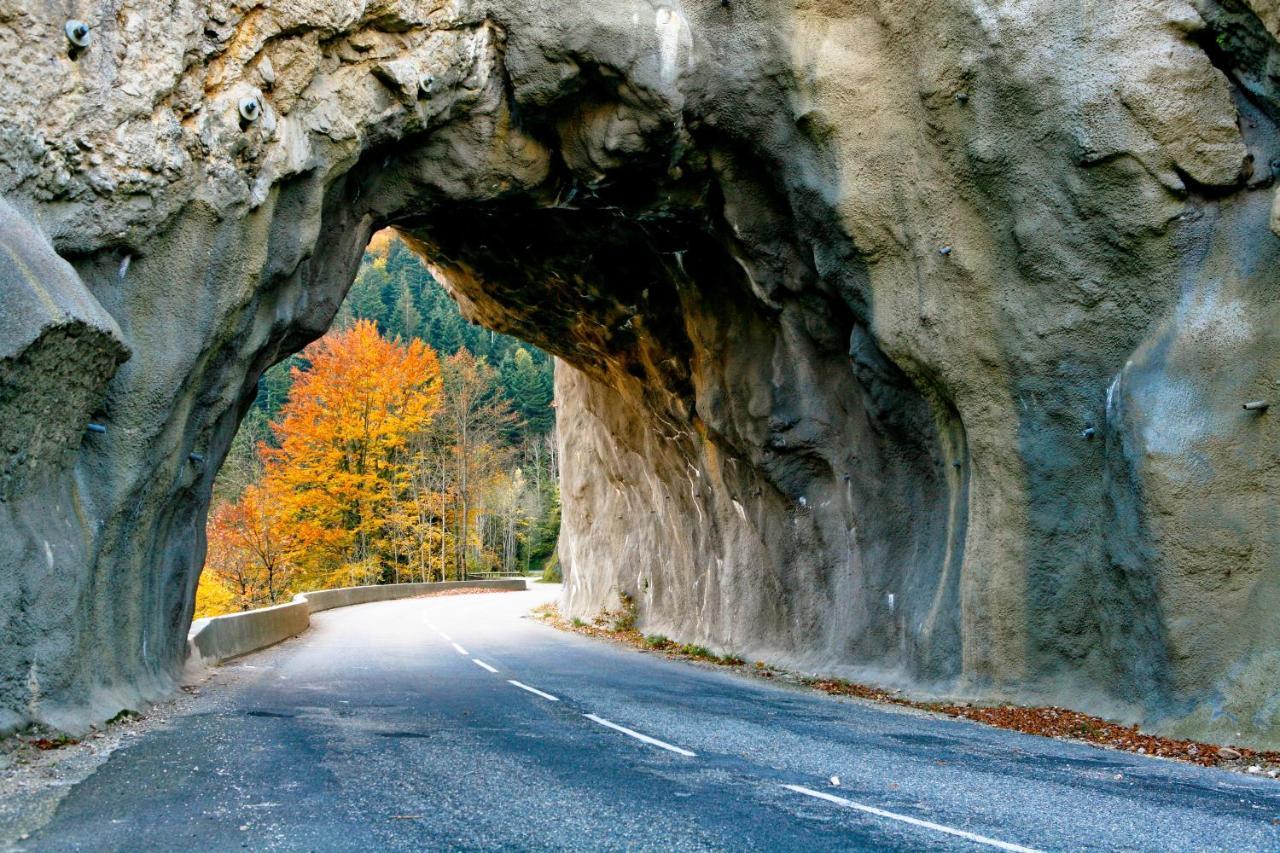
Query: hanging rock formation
x=905, y=340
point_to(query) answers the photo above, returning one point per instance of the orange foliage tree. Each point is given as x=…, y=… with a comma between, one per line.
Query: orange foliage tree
x=247, y=559
x=390, y=466
x=336, y=476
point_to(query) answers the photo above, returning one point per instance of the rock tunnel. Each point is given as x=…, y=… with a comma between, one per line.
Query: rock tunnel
x=894, y=341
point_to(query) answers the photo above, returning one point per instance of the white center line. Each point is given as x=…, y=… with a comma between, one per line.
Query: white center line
x=649, y=740
x=447, y=638
x=936, y=827
x=482, y=664
x=460, y=649
x=535, y=691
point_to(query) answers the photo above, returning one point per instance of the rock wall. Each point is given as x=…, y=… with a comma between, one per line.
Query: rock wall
x=905, y=339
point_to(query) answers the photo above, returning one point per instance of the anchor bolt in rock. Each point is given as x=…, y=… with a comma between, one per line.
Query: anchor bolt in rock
x=78, y=33
x=250, y=109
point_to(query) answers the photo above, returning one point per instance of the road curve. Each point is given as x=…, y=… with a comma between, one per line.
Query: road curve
x=457, y=723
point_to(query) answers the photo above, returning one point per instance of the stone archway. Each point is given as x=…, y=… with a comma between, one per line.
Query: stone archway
x=834, y=327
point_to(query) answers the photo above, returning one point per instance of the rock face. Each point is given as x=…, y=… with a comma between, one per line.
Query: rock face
x=908, y=340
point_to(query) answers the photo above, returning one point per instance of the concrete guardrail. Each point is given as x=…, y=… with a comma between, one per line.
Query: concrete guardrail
x=220, y=638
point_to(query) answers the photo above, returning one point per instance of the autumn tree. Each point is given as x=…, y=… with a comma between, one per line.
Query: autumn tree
x=477, y=415
x=431, y=497
x=213, y=597
x=247, y=551
x=263, y=537
x=349, y=419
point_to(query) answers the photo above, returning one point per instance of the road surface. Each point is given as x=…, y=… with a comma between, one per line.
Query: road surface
x=458, y=723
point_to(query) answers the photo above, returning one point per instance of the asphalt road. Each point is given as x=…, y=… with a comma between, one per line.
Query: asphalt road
x=400, y=725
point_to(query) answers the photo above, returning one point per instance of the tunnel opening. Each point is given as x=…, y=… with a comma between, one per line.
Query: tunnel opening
x=736, y=449
x=453, y=477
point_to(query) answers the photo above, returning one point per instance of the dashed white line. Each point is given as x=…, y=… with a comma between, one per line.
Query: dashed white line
x=461, y=650
x=645, y=738
x=535, y=691
x=936, y=827
x=446, y=637
x=482, y=664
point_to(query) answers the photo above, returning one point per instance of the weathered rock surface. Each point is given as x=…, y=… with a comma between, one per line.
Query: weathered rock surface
x=909, y=339
x=58, y=349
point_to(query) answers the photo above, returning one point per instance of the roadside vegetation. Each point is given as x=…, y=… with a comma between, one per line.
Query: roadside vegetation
x=404, y=445
x=620, y=625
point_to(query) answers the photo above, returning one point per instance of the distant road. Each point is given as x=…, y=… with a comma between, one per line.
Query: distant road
x=454, y=723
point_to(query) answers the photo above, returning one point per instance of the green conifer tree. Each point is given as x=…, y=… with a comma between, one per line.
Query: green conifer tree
x=530, y=389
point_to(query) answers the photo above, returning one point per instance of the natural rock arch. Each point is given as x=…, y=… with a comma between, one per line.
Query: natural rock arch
x=839, y=294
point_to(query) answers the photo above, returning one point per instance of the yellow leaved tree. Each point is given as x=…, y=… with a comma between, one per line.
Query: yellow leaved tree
x=351, y=416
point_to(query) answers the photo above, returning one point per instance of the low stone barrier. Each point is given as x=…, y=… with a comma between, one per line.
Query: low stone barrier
x=327, y=599
x=220, y=638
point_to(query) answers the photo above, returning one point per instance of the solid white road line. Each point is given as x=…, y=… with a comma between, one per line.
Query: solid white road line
x=460, y=649
x=936, y=827
x=649, y=740
x=482, y=664
x=535, y=691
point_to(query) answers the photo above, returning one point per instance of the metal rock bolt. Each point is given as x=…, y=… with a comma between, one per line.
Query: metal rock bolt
x=78, y=33
x=1258, y=406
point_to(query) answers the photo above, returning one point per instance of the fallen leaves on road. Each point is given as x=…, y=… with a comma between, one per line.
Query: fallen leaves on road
x=464, y=591
x=1055, y=722
x=1046, y=721
x=47, y=743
